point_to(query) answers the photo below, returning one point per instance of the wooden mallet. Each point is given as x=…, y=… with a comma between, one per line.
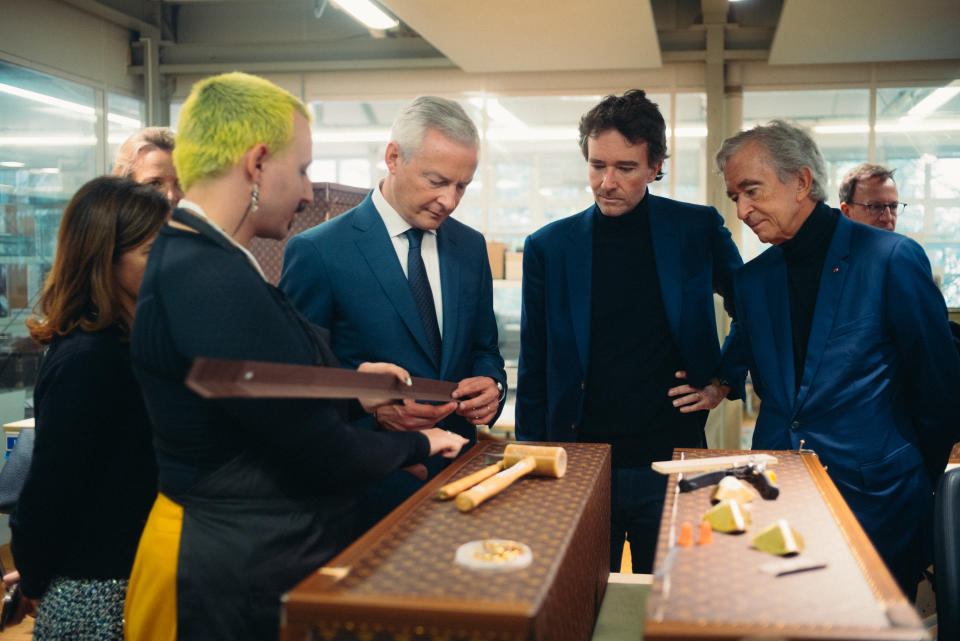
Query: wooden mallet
x=518, y=461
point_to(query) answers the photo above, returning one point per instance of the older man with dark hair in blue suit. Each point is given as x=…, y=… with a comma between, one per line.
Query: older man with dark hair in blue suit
x=849, y=345
x=396, y=279
x=617, y=305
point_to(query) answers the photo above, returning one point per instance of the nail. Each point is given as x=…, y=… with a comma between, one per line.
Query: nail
x=408, y=381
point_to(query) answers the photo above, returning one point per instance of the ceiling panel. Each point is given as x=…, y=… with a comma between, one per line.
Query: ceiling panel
x=536, y=35
x=842, y=31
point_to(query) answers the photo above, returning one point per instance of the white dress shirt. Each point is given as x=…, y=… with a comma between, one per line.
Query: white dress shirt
x=396, y=228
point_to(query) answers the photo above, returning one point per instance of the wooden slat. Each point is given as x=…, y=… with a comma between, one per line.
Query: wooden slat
x=711, y=463
x=213, y=378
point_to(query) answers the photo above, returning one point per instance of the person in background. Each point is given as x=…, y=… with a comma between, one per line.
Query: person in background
x=92, y=477
x=868, y=195
x=146, y=157
x=398, y=279
x=254, y=494
x=848, y=343
x=618, y=304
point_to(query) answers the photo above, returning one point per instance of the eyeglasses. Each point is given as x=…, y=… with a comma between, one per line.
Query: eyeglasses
x=877, y=209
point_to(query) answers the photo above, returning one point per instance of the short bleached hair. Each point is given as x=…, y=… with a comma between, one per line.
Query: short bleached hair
x=142, y=142
x=224, y=116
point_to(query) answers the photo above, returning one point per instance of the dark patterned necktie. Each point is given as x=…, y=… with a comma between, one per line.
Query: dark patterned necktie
x=422, y=294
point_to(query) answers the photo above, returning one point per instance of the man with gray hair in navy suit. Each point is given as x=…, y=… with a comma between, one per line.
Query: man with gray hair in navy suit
x=396, y=279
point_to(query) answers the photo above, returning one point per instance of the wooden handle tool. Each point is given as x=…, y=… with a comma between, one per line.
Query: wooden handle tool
x=450, y=490
x=551, y=461
x=479, y=493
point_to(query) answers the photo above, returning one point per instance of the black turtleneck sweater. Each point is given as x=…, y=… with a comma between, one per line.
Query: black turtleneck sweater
x=805, y=254
x=632, y=354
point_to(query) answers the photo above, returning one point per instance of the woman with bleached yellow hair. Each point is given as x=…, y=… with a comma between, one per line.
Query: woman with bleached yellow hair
x=254, y=494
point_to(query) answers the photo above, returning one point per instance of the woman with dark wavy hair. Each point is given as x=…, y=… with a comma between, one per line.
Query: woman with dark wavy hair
x=93, y=476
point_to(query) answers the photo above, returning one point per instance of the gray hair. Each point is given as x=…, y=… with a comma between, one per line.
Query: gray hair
x=431, y=112
x=790, y=149
x=865, y=171
x=143, y=141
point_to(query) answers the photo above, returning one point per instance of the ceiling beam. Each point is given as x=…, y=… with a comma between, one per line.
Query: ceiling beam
x=116, y=17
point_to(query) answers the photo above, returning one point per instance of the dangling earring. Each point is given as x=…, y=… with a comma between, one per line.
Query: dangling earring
x=254, y=197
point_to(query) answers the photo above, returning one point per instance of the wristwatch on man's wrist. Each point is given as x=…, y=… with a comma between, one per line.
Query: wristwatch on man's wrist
x=502, y=390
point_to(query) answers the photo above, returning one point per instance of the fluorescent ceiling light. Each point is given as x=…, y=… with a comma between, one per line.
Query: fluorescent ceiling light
x=532, y=134
x=934, y=101
x=912, y=125
x=690, y=132
x=73, y=107
x=12, y=164
x=66, y=105
x=498, y=113
x=546, y=134
x=352, y=135
x=47, y=141
x=842, y=129
x=367, y=13
x=125, y=121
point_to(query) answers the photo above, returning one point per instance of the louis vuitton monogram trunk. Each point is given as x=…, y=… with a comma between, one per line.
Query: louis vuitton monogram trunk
x=725, y=591
x=400, y=581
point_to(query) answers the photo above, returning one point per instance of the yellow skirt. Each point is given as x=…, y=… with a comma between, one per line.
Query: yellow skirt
x=150, y=613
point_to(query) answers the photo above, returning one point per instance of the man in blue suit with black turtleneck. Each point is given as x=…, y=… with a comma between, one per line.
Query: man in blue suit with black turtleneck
x=617, y=309
x=848, y=342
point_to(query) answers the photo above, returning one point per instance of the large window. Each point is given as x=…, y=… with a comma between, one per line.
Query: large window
x=918, y=132
x=914, y=130
x=839, y=121
x=49, y=146
x=48, y=149
x=124, y=117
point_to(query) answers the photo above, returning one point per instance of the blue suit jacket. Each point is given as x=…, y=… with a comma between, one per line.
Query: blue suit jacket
x=695, y=257
x=344, y=275
x=880, y=371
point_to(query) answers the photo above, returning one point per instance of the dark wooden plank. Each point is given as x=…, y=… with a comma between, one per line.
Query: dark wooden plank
x=214, y=378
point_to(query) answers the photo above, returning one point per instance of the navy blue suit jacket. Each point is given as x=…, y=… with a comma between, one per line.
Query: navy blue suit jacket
x=695, y=257
x=344, y=275
x=880, y=372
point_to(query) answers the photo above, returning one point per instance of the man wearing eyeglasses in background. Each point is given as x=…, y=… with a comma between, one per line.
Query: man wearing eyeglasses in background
x=868, y=195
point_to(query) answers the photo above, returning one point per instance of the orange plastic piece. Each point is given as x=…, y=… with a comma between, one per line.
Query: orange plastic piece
x=686, y=534
x=706, y=533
